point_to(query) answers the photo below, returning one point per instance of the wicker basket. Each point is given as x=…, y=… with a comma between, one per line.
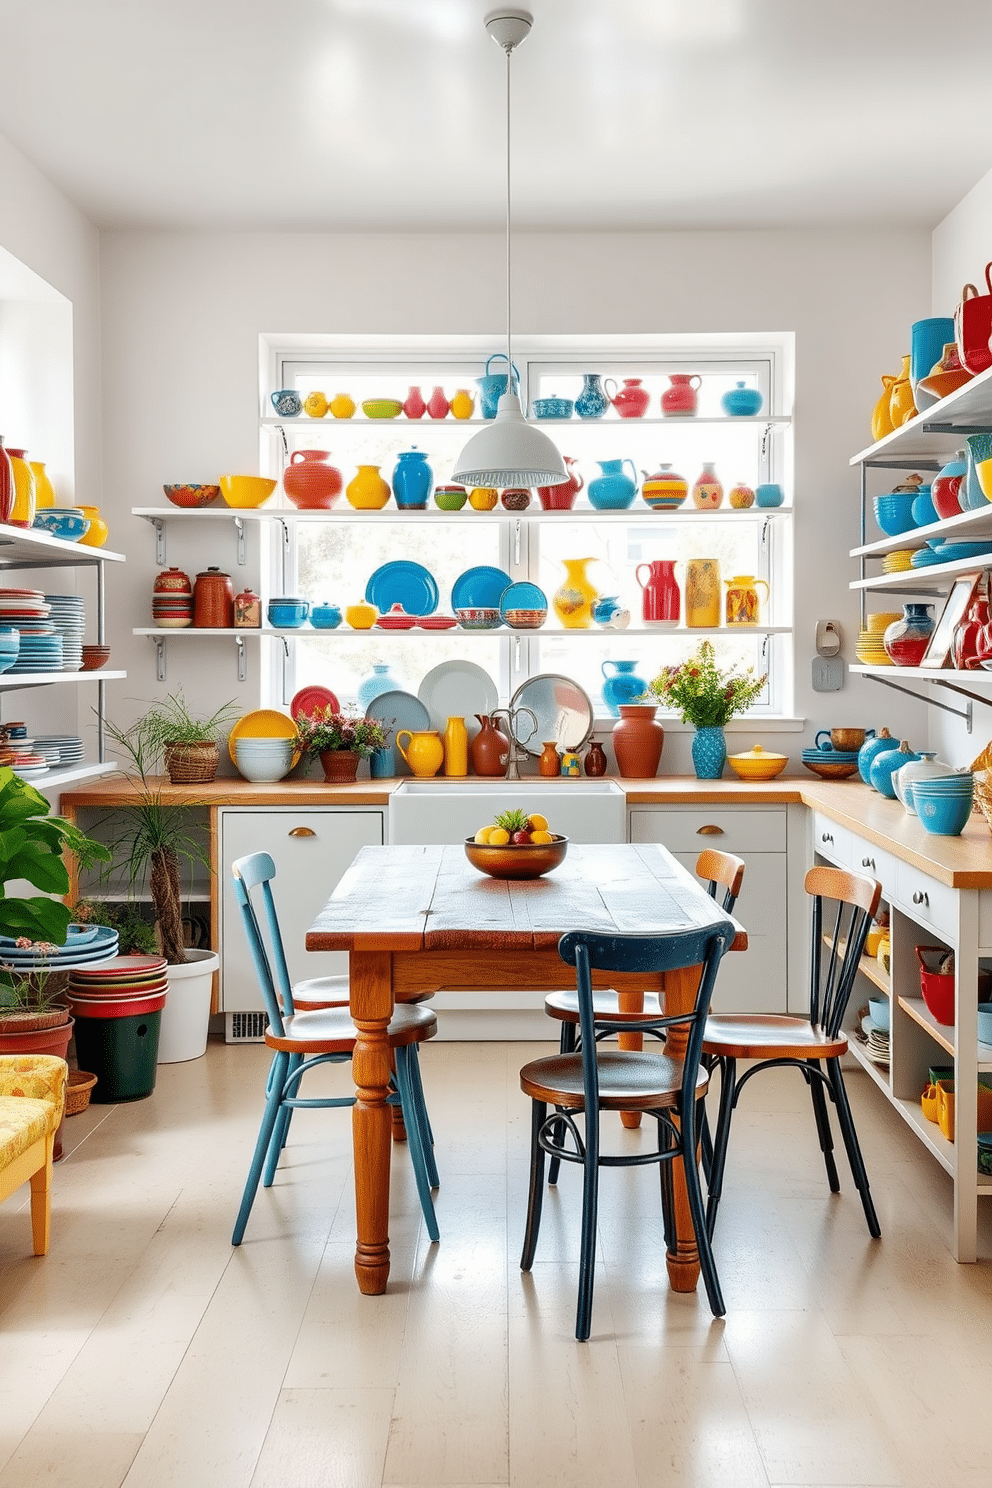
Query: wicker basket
x=983, y=795
x=77, y=1095
x=191, y=764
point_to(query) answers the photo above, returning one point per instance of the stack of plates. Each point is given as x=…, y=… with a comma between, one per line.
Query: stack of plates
x=66, y=748
x=878, y=1045
x=899, y=561
x=870, y=650
x=85, y=944
x=120, y=986
x=68, y=615
x=38, y=653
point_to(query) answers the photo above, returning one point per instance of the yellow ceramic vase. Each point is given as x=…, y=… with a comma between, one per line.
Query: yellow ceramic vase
x=743, y=600
x=881, y=419
x=424, y=752
x=455, y=747
x=463, y=404
x=315, y=406
x=703, y=595
x=367, y=491
x=901, y=403
x=44, y=491
x=483, y=498
x=97, y=532
x=342, y=406
x=574, y=600
x=361, y=616
x=23, y=510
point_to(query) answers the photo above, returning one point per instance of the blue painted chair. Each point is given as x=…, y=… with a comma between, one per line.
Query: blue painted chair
x=302, y=1040
x=813, y=1045
x=596, y=1079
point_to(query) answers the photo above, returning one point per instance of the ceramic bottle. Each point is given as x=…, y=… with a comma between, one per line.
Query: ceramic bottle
x=25, y=499
x=437, y=404
x=549, y=760
x=594, y=763
x=574, y=599
x=374, y=686
x=489, y=751
x=455, y=741
x=414, y=407
x=707, y=491
x=592, y=402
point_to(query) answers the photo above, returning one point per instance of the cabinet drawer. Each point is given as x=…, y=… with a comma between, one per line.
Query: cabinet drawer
x=874, y=862
x=831, y=841
x=927, y=901
x=735, y=830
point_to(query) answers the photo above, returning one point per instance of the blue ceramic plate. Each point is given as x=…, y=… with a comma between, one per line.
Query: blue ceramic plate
x=480, y=588
x=400, y=710
x=77, y=935
x=522, y=596
x=924, y=557
x=405, y=583
x=948, y=551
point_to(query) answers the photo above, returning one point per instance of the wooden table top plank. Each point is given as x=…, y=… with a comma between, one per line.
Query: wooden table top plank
x=382, y=901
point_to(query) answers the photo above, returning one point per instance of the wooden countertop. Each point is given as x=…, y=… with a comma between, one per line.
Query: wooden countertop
x=963, y=862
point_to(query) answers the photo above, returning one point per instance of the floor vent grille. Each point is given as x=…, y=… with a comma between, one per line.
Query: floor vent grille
x=245, y=1028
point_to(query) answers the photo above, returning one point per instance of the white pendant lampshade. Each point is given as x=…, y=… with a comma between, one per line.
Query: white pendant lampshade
x=509, y=451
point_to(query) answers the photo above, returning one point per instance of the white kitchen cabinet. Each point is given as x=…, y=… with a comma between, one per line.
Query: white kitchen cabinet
x=311, y=848
x=758, y=978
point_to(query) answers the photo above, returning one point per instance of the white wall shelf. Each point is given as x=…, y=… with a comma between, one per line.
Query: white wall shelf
x=10, y=683
x=303, y=421
x=938, y=431
x=30, y=547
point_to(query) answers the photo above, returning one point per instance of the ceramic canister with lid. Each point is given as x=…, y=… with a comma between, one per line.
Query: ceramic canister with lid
x=926, y=767
x=213, y=601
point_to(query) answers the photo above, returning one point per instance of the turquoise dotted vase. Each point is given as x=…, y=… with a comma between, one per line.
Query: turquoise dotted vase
x=709, y=753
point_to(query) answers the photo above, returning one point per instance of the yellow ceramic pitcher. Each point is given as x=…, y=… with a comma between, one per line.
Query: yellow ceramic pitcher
x=424, y=752
x=743, y=601
x=97, y=532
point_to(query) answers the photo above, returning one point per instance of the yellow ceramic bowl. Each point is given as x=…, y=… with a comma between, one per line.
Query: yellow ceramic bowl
x=984, y=473
x=246, y=490
x=757, y=764
x=529, y=860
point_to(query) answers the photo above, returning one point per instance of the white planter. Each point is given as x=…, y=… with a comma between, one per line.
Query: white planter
x=186, y=1015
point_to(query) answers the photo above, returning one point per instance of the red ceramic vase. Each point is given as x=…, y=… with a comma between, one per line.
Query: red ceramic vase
x=638, y=741
x=7, y=490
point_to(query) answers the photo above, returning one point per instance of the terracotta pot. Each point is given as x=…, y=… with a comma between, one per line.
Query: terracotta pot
x=490, y=749
x=213, y=601
x=310, y=482
x=339, y=765
x=638, y=741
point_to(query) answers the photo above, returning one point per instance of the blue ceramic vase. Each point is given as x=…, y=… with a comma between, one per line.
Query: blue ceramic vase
x=709, y=753
x=621, y=686
x=884, y=766
x=741, y=402
x=372, y=687
x=612, y=491
x=592, y=402
x=870, y=748
x=412, y=480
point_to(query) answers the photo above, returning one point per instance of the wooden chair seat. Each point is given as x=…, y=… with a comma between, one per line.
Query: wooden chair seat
x=331, y=992
x=605, y=1005
x=768, y=1036
x=331, y=1031
x=628, y=1081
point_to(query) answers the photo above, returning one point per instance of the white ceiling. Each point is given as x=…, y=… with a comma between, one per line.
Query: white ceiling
x=380, y=114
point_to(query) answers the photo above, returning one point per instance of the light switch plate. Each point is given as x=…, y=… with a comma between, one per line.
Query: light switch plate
x=828, y=673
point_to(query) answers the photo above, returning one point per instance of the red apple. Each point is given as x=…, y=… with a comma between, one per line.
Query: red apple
x=520, y=838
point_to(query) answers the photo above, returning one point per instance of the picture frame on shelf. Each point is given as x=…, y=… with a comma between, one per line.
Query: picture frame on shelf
x=937, y=656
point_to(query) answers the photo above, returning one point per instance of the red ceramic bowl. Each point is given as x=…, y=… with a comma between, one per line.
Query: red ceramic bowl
x=191, y=494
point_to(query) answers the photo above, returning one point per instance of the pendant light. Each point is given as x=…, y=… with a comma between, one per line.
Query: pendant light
x=509, y=452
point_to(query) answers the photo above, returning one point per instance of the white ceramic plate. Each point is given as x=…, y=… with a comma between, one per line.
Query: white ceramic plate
x=457, y=689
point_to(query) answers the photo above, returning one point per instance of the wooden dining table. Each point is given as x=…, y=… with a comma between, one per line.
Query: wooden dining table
x=417, y=920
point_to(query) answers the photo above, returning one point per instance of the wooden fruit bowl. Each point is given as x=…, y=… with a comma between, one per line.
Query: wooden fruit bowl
x=839, y=771
x=528, y=860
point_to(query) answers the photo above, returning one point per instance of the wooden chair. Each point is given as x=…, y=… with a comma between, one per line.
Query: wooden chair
x=720, y=870
x=302, y=1040
x=814, y=1045
x=32, y=1099
x=669, y=1086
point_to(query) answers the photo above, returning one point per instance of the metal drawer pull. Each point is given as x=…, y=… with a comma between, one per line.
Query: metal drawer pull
x=922, y=897
x=826, y=837
x=301, y=832
x=709, y=831
x=867, y=862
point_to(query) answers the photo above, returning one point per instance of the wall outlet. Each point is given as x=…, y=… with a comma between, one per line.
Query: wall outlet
x=828, y=673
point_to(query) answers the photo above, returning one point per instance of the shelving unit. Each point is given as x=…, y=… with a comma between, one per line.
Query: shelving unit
x=32, y=548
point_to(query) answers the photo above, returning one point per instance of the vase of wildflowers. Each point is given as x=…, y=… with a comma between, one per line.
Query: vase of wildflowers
x=708, y=698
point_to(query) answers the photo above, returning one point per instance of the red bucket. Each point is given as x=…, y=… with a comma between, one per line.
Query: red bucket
x=937, y=986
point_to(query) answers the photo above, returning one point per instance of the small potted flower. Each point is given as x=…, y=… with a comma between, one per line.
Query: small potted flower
x=340, y=740
x=707, y=698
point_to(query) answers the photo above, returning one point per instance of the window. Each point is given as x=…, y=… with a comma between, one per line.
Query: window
x=333, y=557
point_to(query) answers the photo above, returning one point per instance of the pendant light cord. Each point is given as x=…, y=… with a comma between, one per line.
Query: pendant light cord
x=509, y=362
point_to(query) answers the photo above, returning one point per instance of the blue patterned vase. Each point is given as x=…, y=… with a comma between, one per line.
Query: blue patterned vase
x=592, y=402
x=709, y=753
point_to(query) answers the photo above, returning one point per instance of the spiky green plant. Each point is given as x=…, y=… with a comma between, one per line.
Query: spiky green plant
x=513, y=821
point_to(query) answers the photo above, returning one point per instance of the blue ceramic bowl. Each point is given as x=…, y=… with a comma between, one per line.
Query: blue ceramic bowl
x=942, y=815
x=287, y=614
x=325, y=617
x=741, y=402
x=553, y=408
x=924, y=511
x=894, y=513
x=69, y=526
x=769, y=494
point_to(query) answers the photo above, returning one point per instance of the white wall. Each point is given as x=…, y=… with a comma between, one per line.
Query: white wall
x=182, y=314
x=962, y=246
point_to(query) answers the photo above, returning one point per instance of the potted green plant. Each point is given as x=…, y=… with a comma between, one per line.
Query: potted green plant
x=708, y=698
x=187, y=745
x=340, y=740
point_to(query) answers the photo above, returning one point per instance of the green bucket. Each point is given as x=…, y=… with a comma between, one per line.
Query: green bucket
x=122, y=1052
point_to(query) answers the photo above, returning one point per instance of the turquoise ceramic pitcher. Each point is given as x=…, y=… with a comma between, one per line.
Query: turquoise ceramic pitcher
x=613, y=491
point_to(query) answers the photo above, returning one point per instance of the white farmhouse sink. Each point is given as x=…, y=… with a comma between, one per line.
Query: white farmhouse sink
x=442, y=810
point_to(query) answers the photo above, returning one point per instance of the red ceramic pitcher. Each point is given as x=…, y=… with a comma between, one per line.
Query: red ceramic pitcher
x=661, y=602
x=680, y=395
x=973, y=326
x=562, y=497
x=632, y=400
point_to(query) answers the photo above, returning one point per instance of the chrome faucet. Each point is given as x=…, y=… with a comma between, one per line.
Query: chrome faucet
x=517, y=752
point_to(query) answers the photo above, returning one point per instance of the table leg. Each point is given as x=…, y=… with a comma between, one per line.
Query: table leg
x=683, y=1263
x=370, y=976
x=630, y=1002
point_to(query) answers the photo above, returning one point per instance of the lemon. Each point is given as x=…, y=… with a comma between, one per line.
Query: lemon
x=498, y=837
x=538, y=823
x=541, y=836
x=482, y=836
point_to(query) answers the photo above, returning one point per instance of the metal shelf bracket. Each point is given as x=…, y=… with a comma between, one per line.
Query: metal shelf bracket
x=239, y=641
x=160, y=667
x=965, y=713
x=239, y=527
x=159, y=524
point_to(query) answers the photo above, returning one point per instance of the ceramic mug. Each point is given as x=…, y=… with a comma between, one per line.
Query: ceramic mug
x=286, y=402
x=287, y=614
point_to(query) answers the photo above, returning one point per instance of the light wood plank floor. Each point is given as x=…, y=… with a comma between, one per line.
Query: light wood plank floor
x=145, y=1351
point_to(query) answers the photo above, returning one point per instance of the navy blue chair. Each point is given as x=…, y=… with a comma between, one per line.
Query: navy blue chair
x=596, y=1079
x=302, y=1040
